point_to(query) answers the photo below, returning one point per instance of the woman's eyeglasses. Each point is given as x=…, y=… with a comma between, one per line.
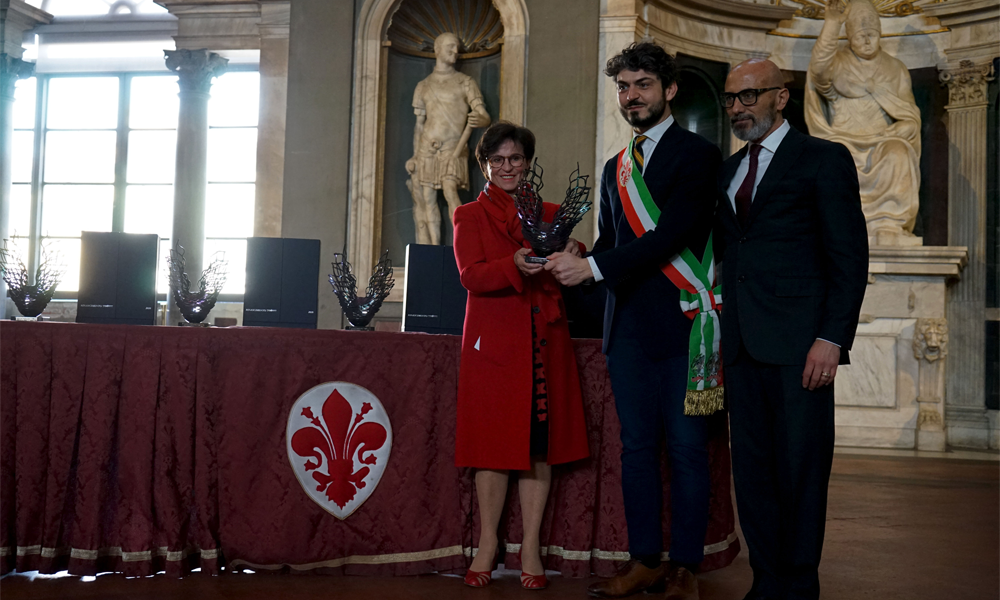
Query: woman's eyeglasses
x=496, y=161
x=747, y=97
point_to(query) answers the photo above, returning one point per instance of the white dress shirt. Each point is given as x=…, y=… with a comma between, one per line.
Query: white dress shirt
x=653, y=135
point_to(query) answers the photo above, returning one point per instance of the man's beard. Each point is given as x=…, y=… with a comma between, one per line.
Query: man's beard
x=655, y=113
x=758, y=128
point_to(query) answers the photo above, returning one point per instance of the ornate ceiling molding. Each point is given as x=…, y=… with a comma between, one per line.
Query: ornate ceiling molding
x=816, y=9
x=417, y=23
x=730, y=13
x=963, y=12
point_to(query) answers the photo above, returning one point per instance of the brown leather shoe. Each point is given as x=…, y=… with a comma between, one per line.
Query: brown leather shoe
x=681, y=585
x=631, y=578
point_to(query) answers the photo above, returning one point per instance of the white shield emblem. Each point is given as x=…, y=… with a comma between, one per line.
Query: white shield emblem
x=338, y=441
x=625, y=173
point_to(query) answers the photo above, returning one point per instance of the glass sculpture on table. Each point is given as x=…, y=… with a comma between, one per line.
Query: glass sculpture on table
x=546, y=238
x=359, y=311
x=196, y=305
x=30, y=298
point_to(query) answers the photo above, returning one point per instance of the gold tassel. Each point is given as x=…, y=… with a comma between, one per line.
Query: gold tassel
x=701, y=403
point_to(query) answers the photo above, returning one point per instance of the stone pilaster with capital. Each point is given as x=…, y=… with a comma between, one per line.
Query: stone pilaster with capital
x=195, y=68
x=966, y=307
x=930, y=348
x=12, y=69
x=967, y=83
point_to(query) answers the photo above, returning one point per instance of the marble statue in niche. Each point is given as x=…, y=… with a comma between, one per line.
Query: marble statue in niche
x=448, y=105
x=862, y=97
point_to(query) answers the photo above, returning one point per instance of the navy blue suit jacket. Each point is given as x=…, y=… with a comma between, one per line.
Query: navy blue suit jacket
x=799, y=269
x=643, y=306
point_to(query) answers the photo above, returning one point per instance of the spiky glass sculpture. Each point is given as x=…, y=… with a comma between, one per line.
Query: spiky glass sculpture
x=196, y=305
x=359, y=311
x=30, y=298
x=546, y=238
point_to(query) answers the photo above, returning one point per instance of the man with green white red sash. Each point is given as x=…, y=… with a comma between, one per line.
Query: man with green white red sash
x=661, y=324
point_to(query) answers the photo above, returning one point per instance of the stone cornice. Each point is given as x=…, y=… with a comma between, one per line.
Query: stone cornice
x=963, y=12
x=275, y=17
x=172, y=4
x=17, y=17
x=27, y=12
x=729, y=13
x=917, y=260
x=228, y=24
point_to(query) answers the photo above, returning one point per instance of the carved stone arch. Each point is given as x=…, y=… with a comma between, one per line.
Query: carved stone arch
x=367, y=134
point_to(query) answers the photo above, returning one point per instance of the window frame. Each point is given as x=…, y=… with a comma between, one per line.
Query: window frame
x=40, y=130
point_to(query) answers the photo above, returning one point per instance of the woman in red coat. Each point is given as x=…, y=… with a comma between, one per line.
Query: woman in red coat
x=519, y=401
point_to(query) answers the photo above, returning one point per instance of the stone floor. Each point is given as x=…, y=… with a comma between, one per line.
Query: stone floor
x=900, y=526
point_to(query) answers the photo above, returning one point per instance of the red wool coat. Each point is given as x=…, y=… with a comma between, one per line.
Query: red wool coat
x=495, y=378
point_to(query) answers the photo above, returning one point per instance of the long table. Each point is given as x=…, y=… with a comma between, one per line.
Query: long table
x=147, y=449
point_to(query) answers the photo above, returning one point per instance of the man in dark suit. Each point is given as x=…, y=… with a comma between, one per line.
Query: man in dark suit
x=646, y=334
x=794, y=250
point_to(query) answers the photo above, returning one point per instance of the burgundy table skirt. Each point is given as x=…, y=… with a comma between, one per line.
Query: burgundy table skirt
x=147, y=449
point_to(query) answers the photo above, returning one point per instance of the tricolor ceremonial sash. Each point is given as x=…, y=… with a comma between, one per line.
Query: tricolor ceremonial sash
x=700, y=294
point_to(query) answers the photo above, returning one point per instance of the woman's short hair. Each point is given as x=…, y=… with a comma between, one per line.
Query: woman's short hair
x=644, y=56
x=498, y=133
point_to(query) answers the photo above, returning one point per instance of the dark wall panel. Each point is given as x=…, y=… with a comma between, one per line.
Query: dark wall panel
x=562, y=94
x=696, y=105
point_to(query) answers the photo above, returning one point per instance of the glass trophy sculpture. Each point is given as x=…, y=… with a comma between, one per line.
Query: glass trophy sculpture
x=359, y=311
x=29, y=298
x=546, y=238
x=195, y=306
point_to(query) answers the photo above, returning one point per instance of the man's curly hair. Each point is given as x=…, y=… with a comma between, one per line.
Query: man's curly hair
x=644, y=56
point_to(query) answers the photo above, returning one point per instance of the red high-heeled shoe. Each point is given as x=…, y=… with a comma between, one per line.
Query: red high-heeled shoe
x=478, y=579
x=532, y=582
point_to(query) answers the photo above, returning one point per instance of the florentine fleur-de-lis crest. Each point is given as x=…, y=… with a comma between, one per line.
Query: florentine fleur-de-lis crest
x=340, y=447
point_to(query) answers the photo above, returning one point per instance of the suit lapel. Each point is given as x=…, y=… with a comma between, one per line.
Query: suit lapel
x=787, y=154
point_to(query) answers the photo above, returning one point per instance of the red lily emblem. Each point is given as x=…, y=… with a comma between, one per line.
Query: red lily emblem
x=341, y=445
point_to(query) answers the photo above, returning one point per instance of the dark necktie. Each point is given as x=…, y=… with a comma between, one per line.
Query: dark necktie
x=744, y=195
x=637, y=151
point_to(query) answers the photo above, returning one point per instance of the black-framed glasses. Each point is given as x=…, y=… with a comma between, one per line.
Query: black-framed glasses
x=496, y=161
x=748, y=97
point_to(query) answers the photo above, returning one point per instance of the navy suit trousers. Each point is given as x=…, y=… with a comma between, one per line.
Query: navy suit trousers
x=782, y=443
x=649, y=397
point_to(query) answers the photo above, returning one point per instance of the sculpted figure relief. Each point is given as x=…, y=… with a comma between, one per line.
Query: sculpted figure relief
x=930, y=340
x=448, y=105
x=860, y=96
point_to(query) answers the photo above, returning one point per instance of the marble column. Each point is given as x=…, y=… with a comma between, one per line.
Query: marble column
x=966, y=397
x=271, y=124
x=195, y=70
x=620, y=25
x=11, y=69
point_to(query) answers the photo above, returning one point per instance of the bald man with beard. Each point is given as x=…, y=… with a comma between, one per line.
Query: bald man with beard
x=794, y=248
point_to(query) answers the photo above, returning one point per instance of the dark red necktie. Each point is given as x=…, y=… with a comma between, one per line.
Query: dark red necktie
x=744, y=195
